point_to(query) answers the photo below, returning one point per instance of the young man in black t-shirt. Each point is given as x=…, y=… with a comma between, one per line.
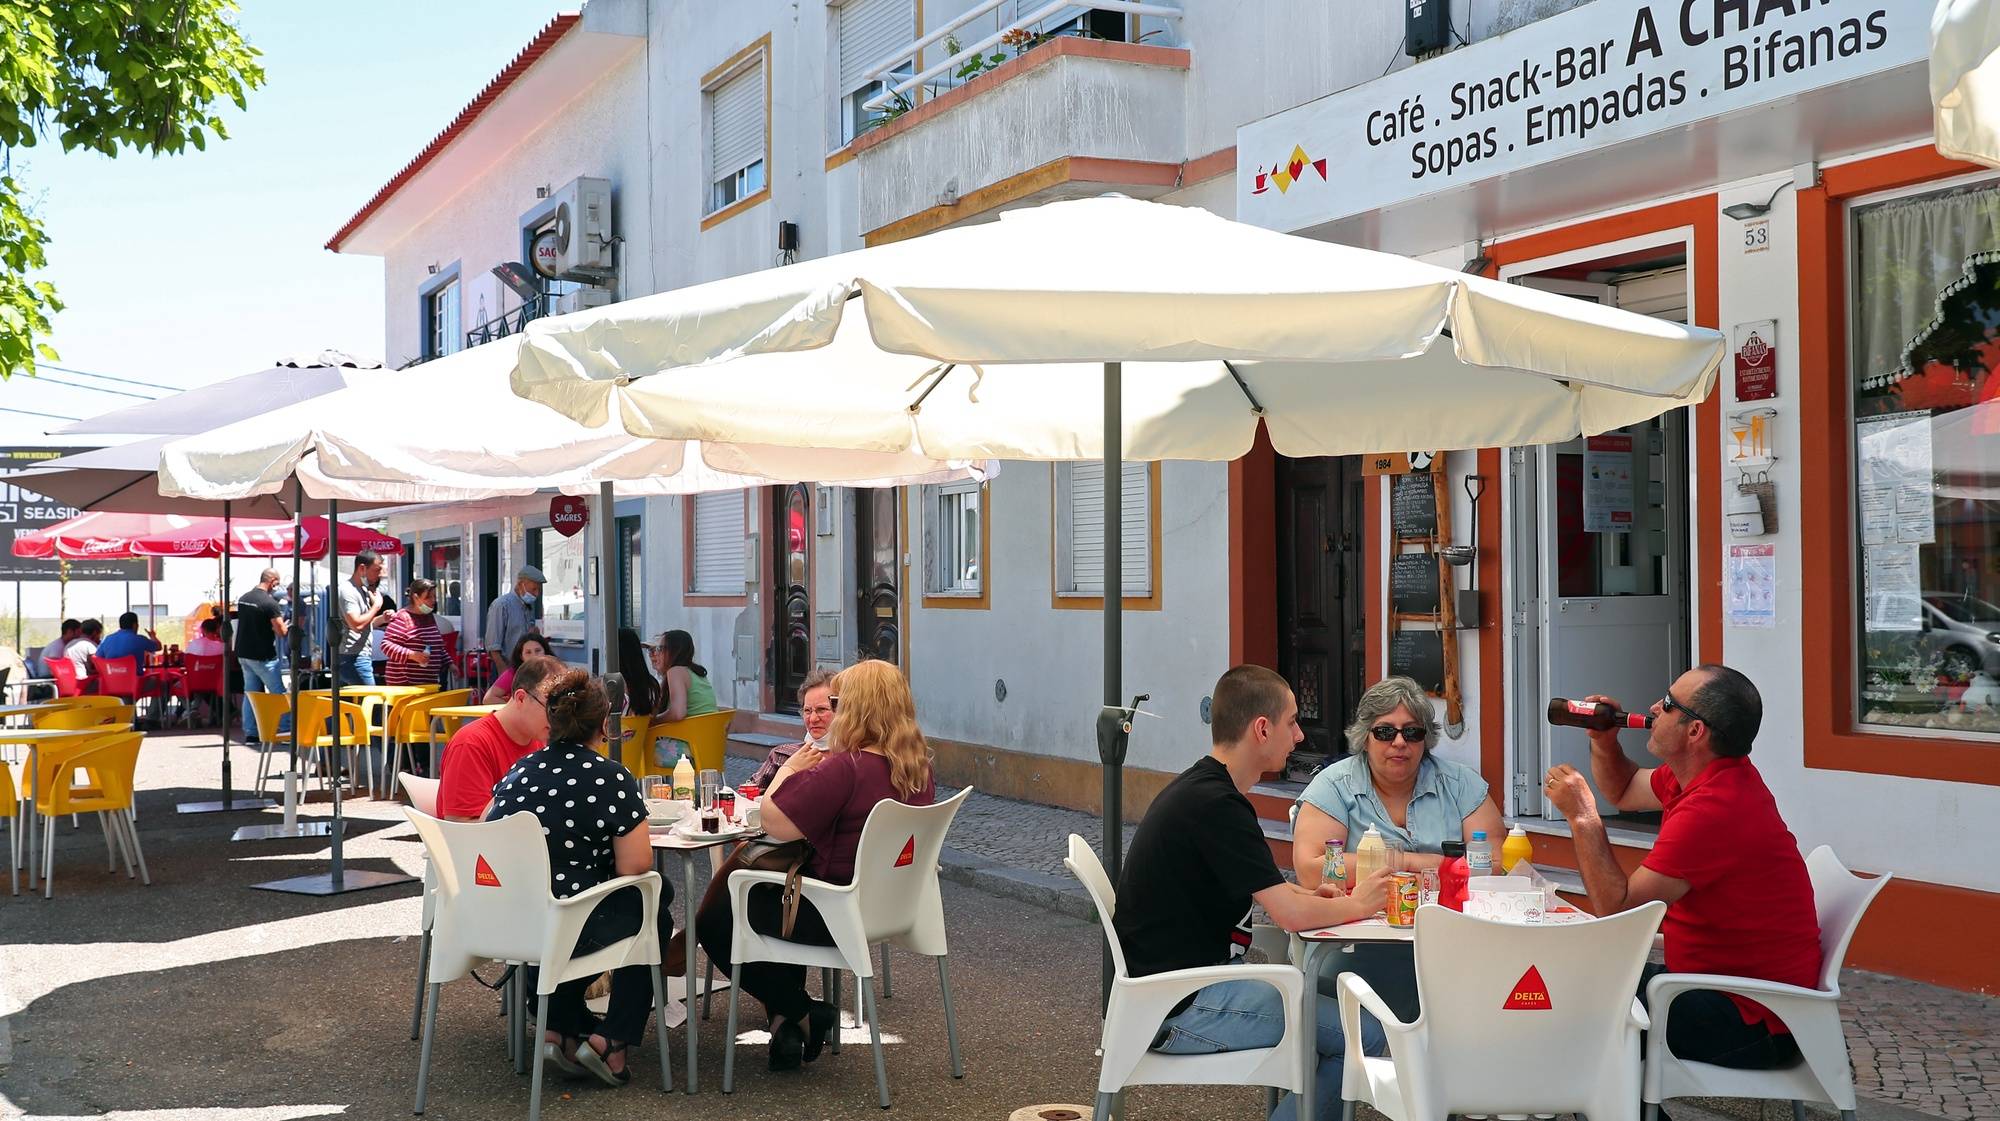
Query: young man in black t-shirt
x=1197, y=862
x=260, y=623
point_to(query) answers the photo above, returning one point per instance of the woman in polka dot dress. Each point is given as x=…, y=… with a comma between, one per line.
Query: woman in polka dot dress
x=594, y=820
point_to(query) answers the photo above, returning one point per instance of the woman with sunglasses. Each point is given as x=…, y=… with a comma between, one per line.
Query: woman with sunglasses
x=1392, y=781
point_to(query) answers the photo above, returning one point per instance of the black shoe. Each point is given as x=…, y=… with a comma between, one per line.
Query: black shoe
x=787, y=1046
x=822, y=1020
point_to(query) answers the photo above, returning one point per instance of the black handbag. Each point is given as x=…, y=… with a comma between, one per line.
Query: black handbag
x=761, y=854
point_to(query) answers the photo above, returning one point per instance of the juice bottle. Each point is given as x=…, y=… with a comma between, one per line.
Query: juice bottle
x=684, y=780
x=1370, y=857
x=1516, y=849
x=1334, y=870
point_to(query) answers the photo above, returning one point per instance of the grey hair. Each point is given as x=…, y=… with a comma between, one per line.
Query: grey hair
x=1383, y=698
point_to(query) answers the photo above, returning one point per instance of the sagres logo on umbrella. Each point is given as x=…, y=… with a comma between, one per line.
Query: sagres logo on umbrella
x=1530, y=994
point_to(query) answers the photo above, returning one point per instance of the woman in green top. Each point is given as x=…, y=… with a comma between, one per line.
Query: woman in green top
x=684, y=691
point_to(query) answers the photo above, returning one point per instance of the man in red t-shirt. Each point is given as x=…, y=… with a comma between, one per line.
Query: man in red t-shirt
x=1739, y=900
x=481, y=753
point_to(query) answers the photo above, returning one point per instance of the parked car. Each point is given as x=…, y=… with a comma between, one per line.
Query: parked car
x=1963, y=633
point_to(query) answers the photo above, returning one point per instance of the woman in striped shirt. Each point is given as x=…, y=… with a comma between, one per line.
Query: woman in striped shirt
x=413, y=642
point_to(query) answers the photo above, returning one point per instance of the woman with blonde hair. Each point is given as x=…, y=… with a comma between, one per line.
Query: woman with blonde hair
x=824, y=797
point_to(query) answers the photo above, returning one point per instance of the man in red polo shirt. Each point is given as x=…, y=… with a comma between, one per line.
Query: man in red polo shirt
x=1739, y=901
x=481, y=753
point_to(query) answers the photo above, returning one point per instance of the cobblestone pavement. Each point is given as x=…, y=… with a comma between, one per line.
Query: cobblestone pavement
x=1918, y=1046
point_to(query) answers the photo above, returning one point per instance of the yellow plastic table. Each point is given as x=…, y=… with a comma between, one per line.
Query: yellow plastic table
x=33, y=739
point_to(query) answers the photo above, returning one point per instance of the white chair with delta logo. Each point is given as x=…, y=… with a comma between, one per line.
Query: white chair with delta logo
x=1516, y=1019
x=423, y=794
x=1823, y=1073
x=1139, y=1005
x=494, y=903
x=894, y=898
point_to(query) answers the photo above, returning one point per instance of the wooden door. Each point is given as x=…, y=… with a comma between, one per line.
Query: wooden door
x=1322, y=632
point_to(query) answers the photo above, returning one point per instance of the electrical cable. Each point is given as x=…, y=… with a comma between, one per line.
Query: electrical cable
x=108, y=377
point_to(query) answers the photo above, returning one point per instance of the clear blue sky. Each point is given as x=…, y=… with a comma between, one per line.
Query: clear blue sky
x=193, y=268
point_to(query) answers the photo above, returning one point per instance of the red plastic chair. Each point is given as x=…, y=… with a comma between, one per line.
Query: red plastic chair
x=64, y=672
x=116, y=677
x=451, y=656
x=203, y=678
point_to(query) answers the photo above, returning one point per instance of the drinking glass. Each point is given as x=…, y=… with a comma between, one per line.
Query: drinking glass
x=660, y=787
x=707, y=785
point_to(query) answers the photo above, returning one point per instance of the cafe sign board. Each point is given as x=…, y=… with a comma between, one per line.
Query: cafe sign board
x=1596, y=75
x=22, y=510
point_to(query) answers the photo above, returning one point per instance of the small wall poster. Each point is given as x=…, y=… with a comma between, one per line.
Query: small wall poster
x=1757, y=360
x=1607, y=484
x=1752, y=578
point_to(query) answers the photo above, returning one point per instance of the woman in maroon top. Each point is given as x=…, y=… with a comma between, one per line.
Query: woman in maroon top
x=413, y=642
x=824, y=797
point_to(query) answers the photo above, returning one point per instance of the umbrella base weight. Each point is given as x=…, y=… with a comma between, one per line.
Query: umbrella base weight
x=322, y=883
x=234, y=805
x=283, y=832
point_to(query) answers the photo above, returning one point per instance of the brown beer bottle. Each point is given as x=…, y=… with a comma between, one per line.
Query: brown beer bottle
x=1596, y=717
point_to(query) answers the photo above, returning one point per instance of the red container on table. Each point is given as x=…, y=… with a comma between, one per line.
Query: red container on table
x=725, y=800
x=750, y=791
x=1454, y=876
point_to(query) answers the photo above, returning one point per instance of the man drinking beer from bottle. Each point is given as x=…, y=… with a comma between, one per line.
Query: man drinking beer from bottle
x=1738, y=899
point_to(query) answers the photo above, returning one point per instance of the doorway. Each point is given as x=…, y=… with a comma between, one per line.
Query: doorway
x=1322, y=632
x=489, y=574
x=791, y=533
x=878, y=571
x=1601, y=553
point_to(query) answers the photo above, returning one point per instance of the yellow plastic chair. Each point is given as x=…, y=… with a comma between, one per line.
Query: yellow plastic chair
x=90, y=716
x=271, y=709
x=316, y=736
x=105, y=791
x=88, y=701
x=632, y=741
x=409, y=724
x=707, y=737
x=10, y=808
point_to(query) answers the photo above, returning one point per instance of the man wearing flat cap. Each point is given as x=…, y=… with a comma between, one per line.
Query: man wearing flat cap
x=513, y=615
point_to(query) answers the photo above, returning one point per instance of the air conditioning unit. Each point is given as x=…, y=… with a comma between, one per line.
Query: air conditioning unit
x=582, y=298
x=583, y=230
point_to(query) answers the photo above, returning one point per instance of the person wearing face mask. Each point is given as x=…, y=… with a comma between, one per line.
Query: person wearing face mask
x=816, y=708
x=513, y=615
x=260, y=623
x=412, y=642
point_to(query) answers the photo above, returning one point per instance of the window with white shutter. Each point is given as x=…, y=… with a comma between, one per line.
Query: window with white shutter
x=869, y=32
x=1079, y=502
x=716, y=567
x=736, y=135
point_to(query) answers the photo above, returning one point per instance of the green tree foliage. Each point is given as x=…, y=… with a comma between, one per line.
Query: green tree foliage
x=102, y=76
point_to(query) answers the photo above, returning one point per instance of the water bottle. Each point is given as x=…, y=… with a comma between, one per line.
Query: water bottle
x=1479, y=854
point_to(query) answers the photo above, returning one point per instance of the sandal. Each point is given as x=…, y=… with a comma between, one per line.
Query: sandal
x=559, y=1058
x=593, y=1062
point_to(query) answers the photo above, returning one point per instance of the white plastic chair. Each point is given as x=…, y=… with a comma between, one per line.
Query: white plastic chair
x=423, y=794
x=1139, y=1005
x=1490, y=1039
x=890, y=900
x=1825, y=1075
x=514, y=917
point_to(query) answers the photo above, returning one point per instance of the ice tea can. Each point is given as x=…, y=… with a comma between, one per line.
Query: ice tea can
x=1402, y=908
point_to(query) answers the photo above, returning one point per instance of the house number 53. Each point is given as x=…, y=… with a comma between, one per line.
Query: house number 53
x=1757, y=236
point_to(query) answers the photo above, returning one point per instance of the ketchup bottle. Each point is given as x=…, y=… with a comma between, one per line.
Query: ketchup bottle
x=1453, y=876
x=1596, y=717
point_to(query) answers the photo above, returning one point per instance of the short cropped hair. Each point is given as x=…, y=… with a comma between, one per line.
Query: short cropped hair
x=364, y=558
x=1731, y=707
x=531, y=673
x=1242, y=695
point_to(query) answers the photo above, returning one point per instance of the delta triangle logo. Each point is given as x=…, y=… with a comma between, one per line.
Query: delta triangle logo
x=909, y=855
x=1529, y=995
x=482, y=874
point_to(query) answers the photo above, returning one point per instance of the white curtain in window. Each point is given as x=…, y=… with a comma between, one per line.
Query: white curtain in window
x=718, y=544
x=869, y=31
x=1906, y=254
x=1086, y=522
x=736, y=122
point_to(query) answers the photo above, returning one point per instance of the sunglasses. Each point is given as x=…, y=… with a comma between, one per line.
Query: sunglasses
x=1669, y=704
x=1387, y=733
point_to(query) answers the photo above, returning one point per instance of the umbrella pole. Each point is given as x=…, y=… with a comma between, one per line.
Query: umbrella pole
x=230, y=803
x=1112, y=723
x=607, y=548
x=294, y=782
x=337, y=880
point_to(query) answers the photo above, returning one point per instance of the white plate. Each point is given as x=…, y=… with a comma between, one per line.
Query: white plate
x=690, y=827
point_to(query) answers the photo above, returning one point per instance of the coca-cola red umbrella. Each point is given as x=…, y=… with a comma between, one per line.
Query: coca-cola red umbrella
x=107, y=536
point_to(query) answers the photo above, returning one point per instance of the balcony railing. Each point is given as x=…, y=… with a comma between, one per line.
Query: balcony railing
x=513, y=321
x=1020, y=34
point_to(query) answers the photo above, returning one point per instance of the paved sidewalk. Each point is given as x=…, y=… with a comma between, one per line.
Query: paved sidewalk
x=1917, y=1046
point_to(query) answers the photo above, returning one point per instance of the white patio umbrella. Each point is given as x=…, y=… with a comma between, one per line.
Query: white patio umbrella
x=1965, y=79
x=973, y=341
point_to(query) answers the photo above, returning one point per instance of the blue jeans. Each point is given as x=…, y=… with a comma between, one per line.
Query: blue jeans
x=261, y=677
x=1245, y=1015
x=355, y=669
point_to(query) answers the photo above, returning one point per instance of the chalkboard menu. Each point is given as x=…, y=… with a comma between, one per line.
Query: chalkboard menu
x=1413, y=583
x=1419, y=655
x=1413, y=505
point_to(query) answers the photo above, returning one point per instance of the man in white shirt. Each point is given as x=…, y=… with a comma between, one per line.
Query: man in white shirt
x=70, y=629
x=83, y=647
